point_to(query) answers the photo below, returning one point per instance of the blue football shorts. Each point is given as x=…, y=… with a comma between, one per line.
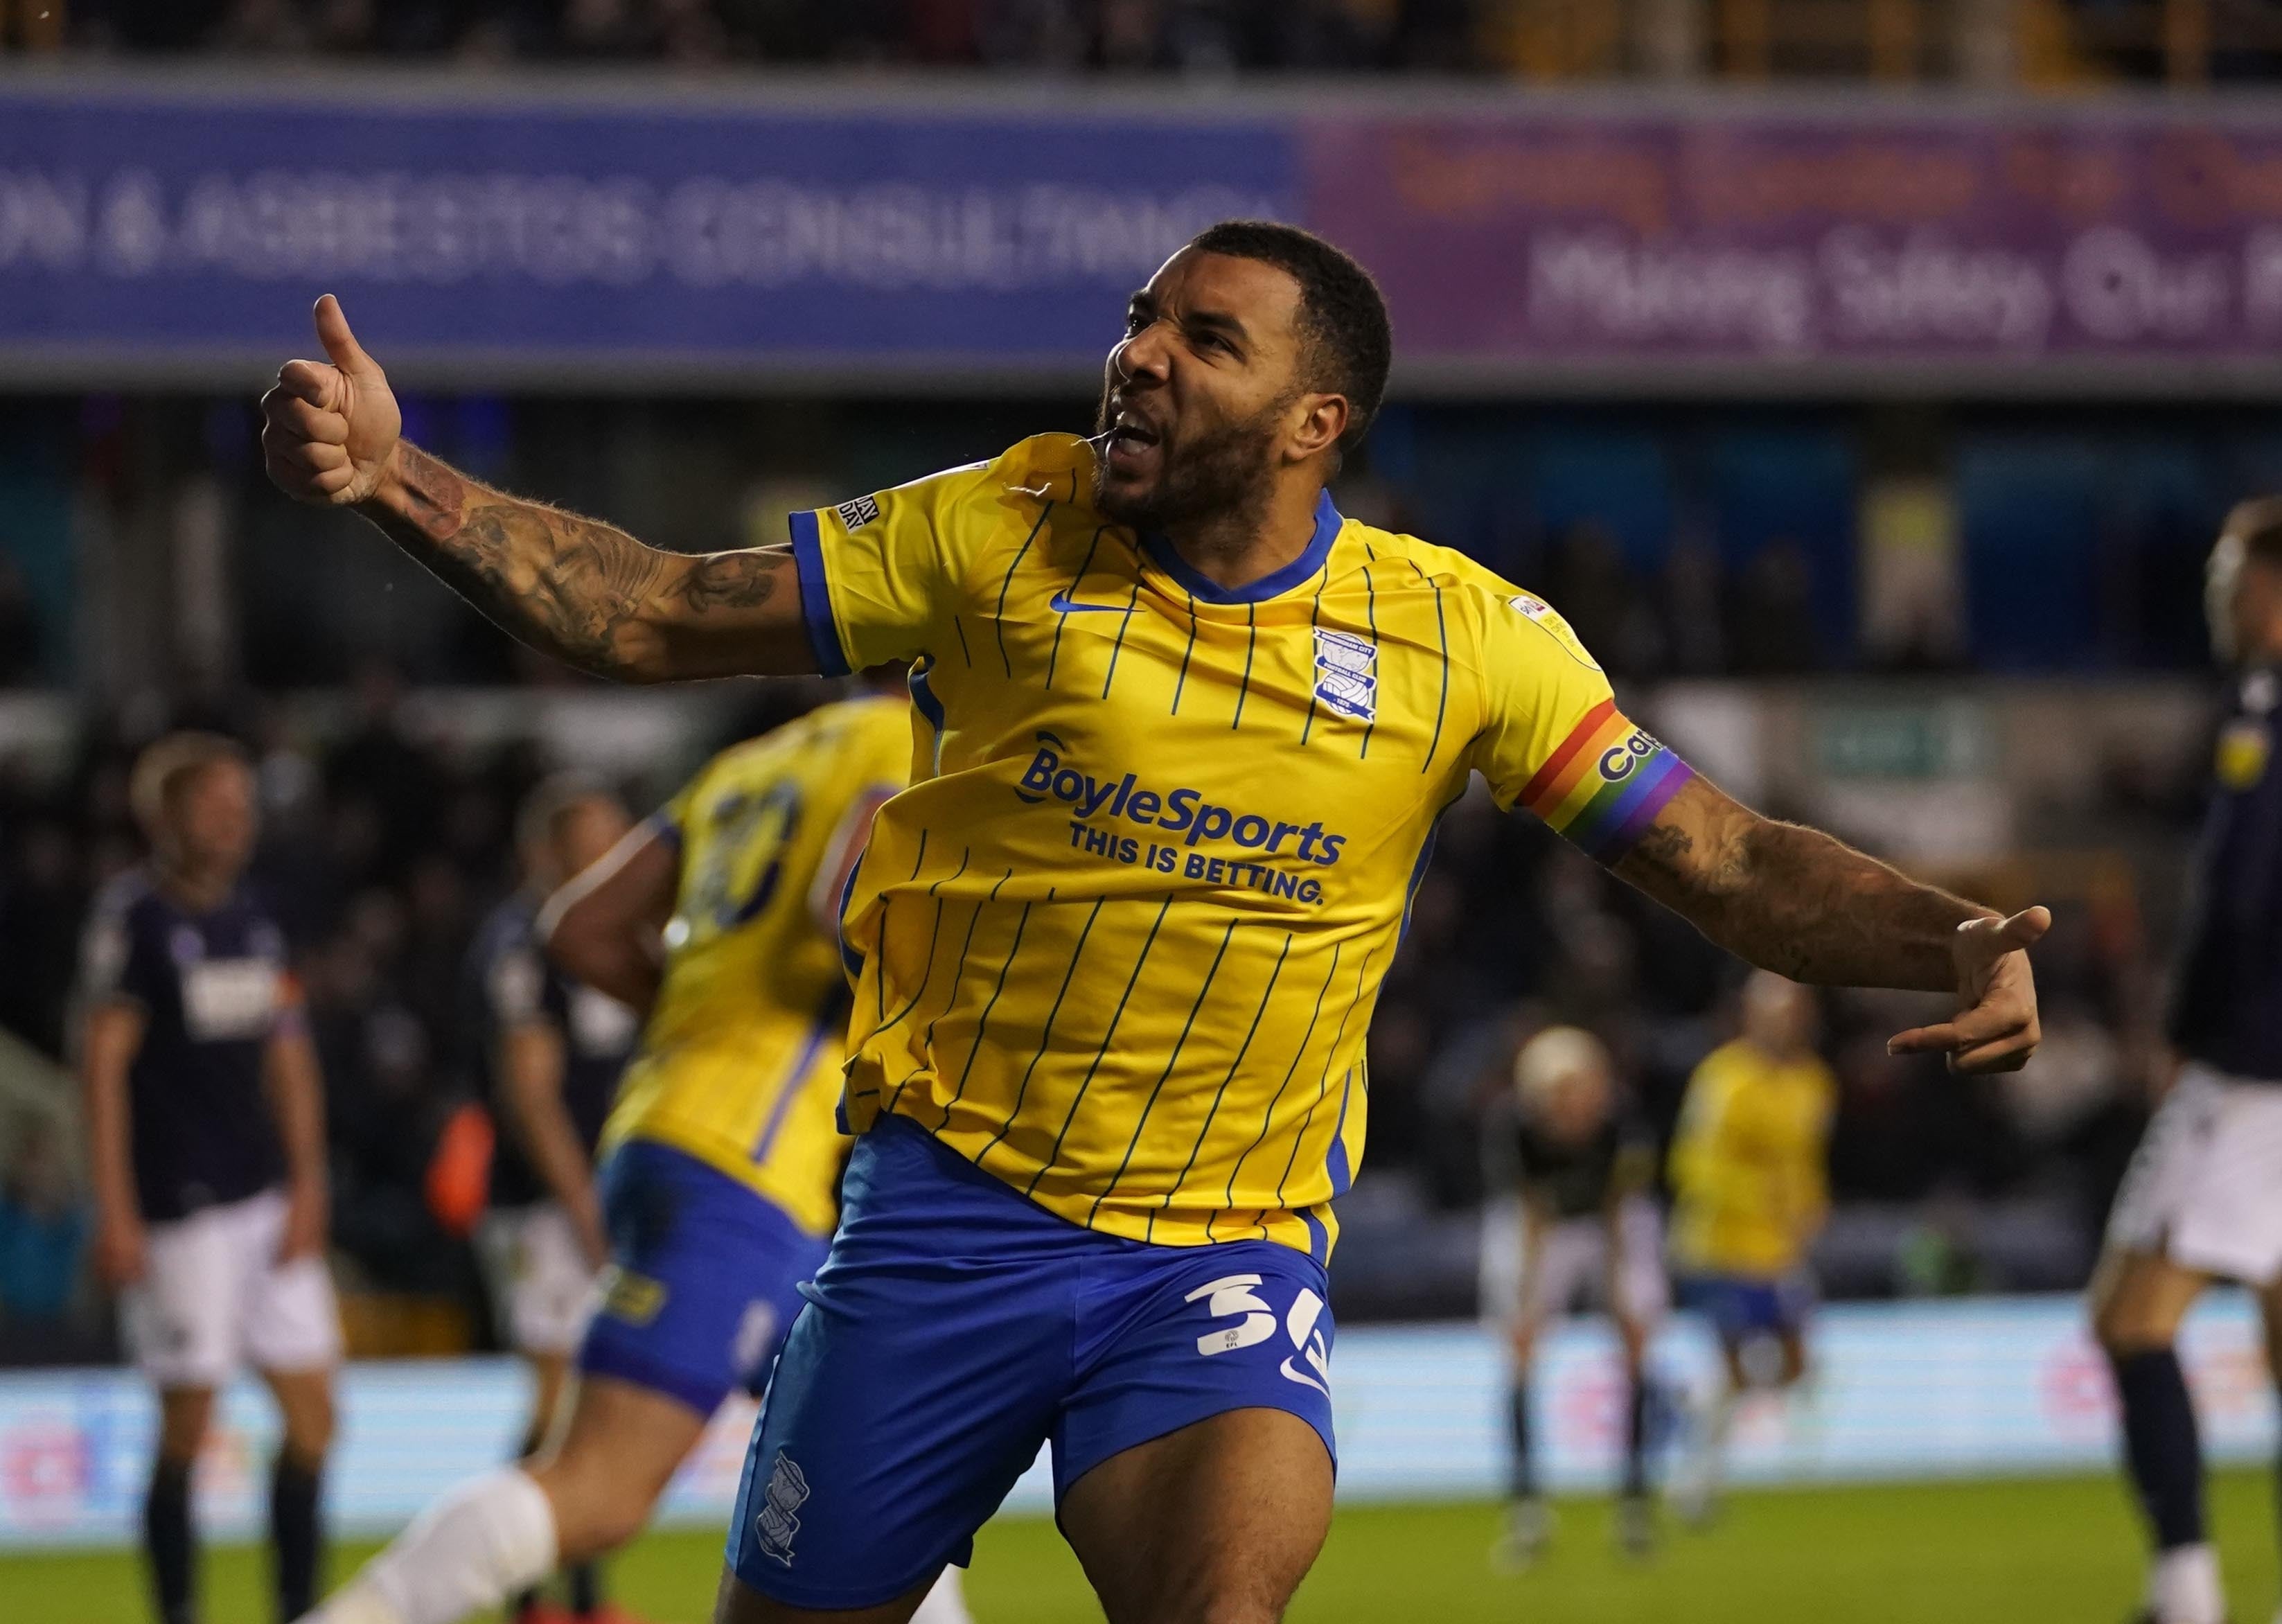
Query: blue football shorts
x=955, y=1327
x=703, y=1280
x=1741, y=1307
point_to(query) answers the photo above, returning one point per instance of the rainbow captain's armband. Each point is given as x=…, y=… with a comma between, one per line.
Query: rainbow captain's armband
x=1605, y=784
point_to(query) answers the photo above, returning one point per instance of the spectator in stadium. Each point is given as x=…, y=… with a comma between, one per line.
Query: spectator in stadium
x=44, y=1234
x=205, y=1117
x=1749, y=1195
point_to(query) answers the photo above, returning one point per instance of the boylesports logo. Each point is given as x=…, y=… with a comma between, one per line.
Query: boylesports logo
x=1183, y=812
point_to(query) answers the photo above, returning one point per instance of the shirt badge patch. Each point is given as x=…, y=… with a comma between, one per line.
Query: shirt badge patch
x=1544, y=614
x=1347, y=674
x=856, y=514
x=2243, y=748
x=785, y=1492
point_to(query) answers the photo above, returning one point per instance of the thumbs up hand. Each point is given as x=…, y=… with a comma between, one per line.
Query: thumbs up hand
x=329, y=427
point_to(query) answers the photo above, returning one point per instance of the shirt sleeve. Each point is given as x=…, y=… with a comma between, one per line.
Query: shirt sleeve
x=110, y=970
x=1554, y=742
x=879, y=575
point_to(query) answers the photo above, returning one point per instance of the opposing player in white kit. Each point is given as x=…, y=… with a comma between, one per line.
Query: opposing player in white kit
x=205, y=1135
x=2202, y=1201
x=548, y=1052
x=1571, y=1219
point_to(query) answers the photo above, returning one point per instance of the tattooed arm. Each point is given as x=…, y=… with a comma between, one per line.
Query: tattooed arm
x=1795, y=901
x=583, y=591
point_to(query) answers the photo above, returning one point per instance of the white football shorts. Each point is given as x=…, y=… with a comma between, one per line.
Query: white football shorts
x=1572, y=1266
x=214, y=1298
x=542, y=1289
x=2204, y=1188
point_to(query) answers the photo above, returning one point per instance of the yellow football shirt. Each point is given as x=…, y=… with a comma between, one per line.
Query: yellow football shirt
x=1120, y=939
x=740, y=1061
x=1747, y=1162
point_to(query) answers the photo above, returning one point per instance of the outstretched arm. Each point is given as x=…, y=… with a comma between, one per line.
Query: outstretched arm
x=581, y=590
x=1799, y=903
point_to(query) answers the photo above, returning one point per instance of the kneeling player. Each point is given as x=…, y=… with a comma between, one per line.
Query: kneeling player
x=1574, y=1219
x=1749, y=1197
x=722, y=1158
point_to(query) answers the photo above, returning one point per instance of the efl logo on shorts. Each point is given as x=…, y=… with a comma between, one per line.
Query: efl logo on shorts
x=856, y=514
x=1347, y=674
x=786, y=1492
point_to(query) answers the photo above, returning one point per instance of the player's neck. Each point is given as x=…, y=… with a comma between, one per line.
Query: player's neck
x=1250, y=543
x=193, y=890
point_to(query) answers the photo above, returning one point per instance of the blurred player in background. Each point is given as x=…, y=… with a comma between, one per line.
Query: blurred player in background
x=546, y=1052
x=1574, y=1219
x=1750, y=1195
x=2202, y=1199
x=1188, y=730
x=206, y=1144
x=717, y=918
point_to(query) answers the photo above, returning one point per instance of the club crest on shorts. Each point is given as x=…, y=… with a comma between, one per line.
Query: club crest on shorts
x=775, y=1525
x=1347, y=673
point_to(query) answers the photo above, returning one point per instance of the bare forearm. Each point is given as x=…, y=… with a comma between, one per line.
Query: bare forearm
x=1798, y=902
x=102, y=1095
x=577, y=588
x=296, y=1101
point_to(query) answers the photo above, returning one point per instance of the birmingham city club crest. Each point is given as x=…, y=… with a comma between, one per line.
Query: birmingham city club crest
x=1347, y=673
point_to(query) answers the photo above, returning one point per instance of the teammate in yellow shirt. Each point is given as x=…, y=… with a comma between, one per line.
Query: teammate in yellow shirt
x=1184, y=733
x=721, y=1160
x=1750, y=1196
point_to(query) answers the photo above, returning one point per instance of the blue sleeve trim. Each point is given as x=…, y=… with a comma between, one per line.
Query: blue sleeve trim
x=815, y=596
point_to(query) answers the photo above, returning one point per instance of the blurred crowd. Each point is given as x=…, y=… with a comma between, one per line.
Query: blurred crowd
x=383, y=848
x=1195, y=35
x=2038, y=40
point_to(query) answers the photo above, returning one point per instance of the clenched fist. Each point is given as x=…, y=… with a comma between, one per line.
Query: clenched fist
x=328, y=430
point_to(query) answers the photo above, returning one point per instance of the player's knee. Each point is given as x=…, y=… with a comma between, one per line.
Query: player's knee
x=309, y=1429
x=2122, y=1325
x=596, y=1509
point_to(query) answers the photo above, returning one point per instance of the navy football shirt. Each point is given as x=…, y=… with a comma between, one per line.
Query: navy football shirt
x=2226, y=994
x=212, y=989
x=509, y=981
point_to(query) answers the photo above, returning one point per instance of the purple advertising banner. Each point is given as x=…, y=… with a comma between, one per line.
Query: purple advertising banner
x=1780, y=241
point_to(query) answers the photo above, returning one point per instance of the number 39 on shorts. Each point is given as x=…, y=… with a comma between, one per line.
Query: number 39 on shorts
x=1237, y=1297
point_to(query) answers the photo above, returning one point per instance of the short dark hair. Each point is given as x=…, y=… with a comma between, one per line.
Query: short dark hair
x=2258, y=522
x=1348, y=342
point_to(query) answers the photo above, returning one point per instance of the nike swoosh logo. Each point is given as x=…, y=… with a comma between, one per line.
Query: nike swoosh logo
x=1062, y=605
x=1303, y=1378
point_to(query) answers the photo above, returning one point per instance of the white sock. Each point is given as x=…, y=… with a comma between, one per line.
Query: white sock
x=481, y=1543
x=946, y=1604
x=2184, y=1586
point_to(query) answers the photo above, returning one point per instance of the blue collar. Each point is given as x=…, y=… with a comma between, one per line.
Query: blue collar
x=1167, y=558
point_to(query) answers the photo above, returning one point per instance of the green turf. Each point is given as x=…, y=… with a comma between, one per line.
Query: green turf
x=1970, y=1553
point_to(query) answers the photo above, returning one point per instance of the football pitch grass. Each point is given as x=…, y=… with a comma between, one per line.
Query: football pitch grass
x=2032, y=1551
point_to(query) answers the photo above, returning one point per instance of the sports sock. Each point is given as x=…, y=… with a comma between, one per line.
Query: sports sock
x=523, y=1604
x=169, y=1543
x=2160, y=1445
x=1523, y=1485
x=296, y=1534
x=1636, y=1412
x=471, y=1550
x=2184, y=1586
x=586, y=1585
